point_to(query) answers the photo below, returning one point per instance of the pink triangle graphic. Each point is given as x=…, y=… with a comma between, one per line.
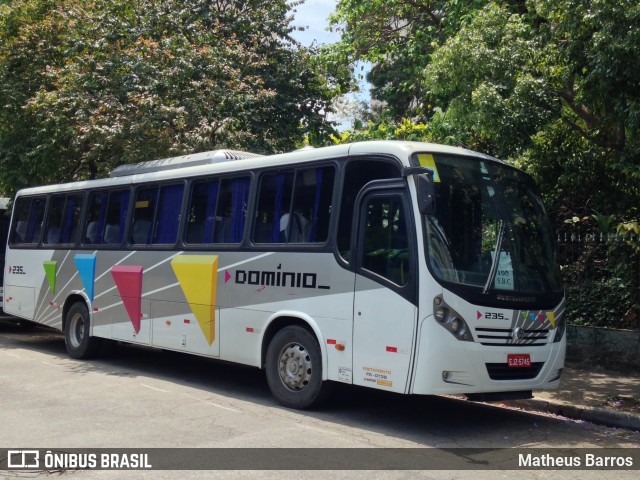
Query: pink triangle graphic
x=479, y=314
x=227, y=276
x=129, y=282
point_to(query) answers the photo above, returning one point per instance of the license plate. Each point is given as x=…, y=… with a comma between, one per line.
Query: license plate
x=519, y=360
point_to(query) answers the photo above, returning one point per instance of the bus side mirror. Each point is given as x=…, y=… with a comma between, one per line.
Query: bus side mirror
x=426, y=193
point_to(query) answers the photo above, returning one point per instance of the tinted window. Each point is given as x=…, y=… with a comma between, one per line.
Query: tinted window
x=107, y=217
x=357, y=175
x=217, y=211
x=168, y=214
x=294, y=206
x=385, y=246
x=28, y=217
x=63, y=219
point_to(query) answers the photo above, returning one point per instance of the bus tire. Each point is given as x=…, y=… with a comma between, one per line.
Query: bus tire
x=76, y=333
x=294, y=369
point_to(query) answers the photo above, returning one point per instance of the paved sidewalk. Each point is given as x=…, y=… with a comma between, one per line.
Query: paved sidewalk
x=607, y=398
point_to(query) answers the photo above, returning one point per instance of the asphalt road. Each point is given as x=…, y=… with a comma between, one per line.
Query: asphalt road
x=143, y=398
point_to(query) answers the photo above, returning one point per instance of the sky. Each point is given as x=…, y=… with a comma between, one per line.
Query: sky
x=314, y=14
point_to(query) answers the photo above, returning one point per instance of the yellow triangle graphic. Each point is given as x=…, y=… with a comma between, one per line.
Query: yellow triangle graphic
x=198, y=277
x=552, y=318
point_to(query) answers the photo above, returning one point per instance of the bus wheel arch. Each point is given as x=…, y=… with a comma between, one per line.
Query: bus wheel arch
x=76, y=325
x=69, y=302
x=293, y=360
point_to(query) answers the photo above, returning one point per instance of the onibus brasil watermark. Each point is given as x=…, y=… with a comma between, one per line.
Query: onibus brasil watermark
x=551, y=458
x=52, y=460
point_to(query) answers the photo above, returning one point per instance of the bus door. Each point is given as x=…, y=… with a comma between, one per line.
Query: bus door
x=385, y=298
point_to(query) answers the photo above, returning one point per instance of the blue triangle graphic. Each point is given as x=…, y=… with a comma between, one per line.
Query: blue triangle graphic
x=86, y=265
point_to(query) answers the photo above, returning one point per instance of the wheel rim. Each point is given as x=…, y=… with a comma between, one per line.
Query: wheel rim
x=76, y=330
x=294, y=366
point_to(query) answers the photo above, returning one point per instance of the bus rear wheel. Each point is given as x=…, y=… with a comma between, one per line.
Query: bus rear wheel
x=294, y=369
x=76, y=333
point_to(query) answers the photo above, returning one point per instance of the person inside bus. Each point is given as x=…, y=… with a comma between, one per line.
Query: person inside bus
x=92, y=234
x=298, y=233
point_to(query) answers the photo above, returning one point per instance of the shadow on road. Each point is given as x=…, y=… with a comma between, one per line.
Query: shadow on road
x=423, y=420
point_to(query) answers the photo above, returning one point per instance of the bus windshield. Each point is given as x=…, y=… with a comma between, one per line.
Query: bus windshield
x=490, y=229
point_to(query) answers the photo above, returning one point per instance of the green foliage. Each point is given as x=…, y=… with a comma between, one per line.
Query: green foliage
x=599, y=302
x=88, y=85
x=438, y=131
x=600, y=263
x=484, y=78
x=398, y=38
x=630, y=231
x=552, y=86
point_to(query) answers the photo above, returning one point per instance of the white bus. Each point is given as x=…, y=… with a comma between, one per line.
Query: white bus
x=409, y=267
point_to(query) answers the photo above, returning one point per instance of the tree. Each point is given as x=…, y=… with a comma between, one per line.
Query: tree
x=398, y=37
x=88, y=85
x=552, y=85
x=487, y=77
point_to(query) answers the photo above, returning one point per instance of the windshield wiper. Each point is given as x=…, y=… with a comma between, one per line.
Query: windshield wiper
x=496, y=259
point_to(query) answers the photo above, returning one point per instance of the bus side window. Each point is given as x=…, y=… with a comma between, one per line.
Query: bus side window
x=145, y=206
x=202, y=211
x=231, y=210
x=63, y=219
x=358, y=173
x=116, y=217
x=385, y=245
x=294, y=207
x=95, y=222
x=217, y=211
x=106, y=218
x=28, y=220
x=311, y=205
x=54, y=221
x=274, y=202
x=167, y=217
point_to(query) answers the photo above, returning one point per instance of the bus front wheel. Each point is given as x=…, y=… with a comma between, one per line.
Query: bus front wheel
x=76, y=333
x=294, y=369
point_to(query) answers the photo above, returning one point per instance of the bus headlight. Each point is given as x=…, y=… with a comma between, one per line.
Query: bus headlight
x=451, y=320
x=456, y=324
x=441, y=314
x=561, y=326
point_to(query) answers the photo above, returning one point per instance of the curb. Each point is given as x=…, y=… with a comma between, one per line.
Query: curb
x=600, y=416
